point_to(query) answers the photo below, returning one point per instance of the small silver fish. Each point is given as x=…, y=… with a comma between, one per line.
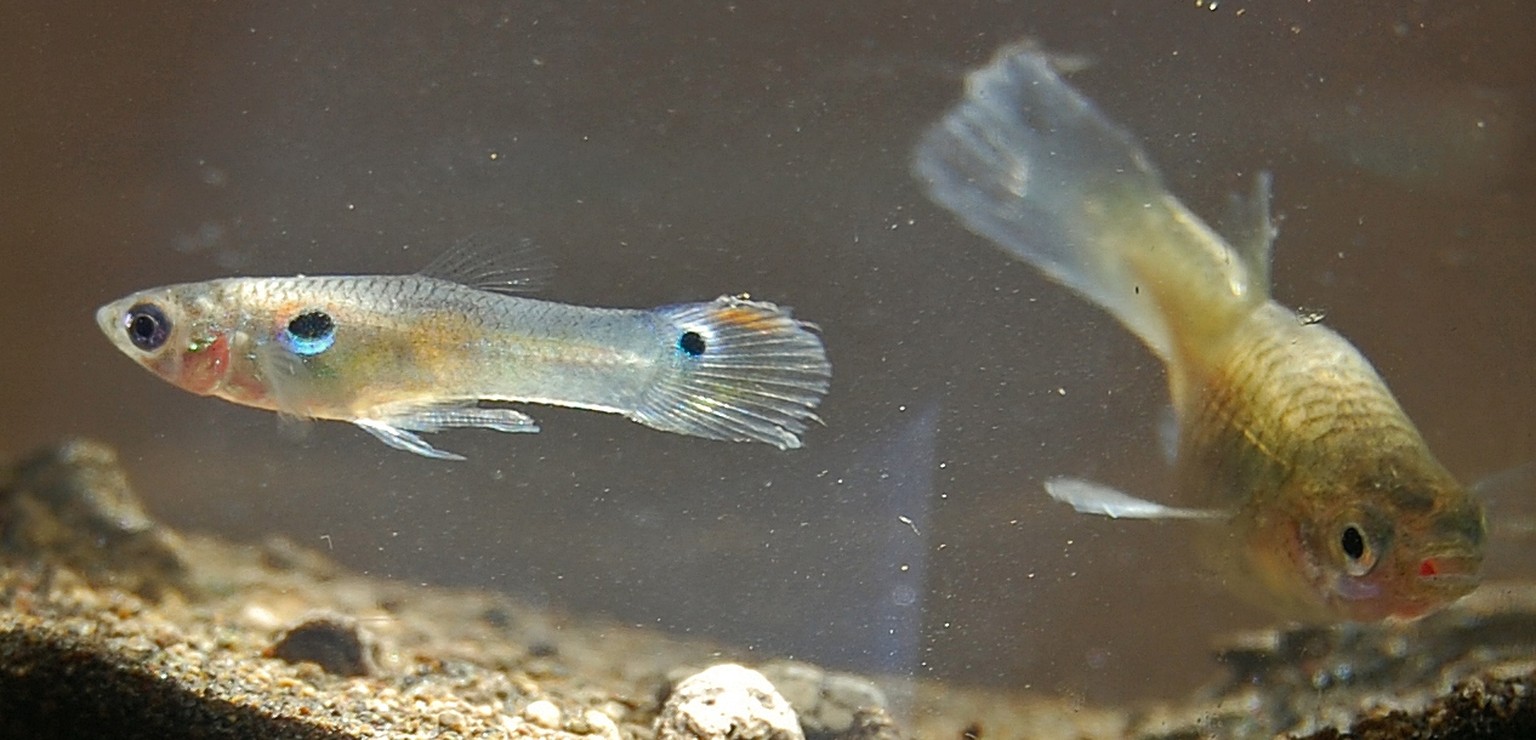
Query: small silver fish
x=1319, y=499
x=402, y=354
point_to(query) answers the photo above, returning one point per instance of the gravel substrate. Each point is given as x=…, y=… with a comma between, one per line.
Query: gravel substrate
x=113, y=626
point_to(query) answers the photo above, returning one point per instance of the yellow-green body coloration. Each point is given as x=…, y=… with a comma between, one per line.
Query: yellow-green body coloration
x=1316, y=495
x=400, y=354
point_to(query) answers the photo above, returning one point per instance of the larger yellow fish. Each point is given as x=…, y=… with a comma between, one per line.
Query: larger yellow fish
x=402, y=354
x=1323, y=502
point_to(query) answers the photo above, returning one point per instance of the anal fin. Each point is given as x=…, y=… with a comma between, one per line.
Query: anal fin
x=397, y=424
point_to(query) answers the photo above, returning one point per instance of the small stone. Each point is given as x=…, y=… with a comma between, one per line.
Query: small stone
x=543, y=713
x=827, y=703
x=844, y=696
x=452, y=720
x=594, y=722
x=727, y=702
x=872, y=724
x=72, y=505
x=334, y=643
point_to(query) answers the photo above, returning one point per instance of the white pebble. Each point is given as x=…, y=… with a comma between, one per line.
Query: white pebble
x=727, y=702
x=543, y=713
x=601, y=725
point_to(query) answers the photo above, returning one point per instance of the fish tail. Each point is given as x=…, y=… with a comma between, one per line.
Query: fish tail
x=1027, y=162
x=740, y=370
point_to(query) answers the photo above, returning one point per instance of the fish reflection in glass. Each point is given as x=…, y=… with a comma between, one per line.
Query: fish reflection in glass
x=400, y=355
x=1317, y=496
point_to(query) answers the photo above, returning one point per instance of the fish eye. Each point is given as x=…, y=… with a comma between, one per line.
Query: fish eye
x=147, y=326
x=1358, y=552
x=310, y=333
x=692, y=343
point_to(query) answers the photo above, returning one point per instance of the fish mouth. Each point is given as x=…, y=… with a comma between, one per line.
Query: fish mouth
x=109, y=318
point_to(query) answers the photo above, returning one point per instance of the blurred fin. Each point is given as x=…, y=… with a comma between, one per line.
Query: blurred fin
x=487, y=261
x=293, y=428
x=1509, y=497
x=1443, y=137
x=1088, y=497
x=1168, y=433
x=1027, y=162
x=1250, y=228
x=284, y=374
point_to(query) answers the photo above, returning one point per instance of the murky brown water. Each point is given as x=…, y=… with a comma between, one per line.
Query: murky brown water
x=681, y=150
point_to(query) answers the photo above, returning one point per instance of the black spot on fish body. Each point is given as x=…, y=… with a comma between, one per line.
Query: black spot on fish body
x=310, y=333
x=311, y=325
x=692, y=343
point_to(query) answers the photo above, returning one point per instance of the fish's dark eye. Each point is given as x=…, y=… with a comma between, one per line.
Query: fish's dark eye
x=1361, y=559
x=147, y=326
x=692, y=343
x=310, y=333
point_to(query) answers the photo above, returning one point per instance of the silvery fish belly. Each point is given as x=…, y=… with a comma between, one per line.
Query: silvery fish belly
x=1316, y=495
x=399, y=355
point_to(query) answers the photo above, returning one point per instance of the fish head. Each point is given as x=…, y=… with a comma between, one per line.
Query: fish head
x=1391, y=545
x=178, y=332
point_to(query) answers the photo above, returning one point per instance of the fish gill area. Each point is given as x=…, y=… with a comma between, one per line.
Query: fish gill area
x=112, y=624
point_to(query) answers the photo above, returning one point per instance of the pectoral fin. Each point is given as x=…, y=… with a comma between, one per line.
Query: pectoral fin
x=1088, y=497
x=396, y=424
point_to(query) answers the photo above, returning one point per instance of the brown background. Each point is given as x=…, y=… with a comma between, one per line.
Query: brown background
x=677, y=150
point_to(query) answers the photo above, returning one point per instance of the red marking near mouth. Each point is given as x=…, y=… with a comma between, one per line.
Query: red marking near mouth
x=1428, y=568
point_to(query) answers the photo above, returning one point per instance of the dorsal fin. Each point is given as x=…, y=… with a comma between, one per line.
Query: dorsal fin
x=1249, y=228
x=491, y=262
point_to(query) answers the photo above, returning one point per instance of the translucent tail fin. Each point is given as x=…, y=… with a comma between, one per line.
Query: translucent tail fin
x=741, y=370
x=1027, y=162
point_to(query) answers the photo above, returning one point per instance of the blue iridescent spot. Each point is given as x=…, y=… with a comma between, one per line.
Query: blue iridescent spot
x=691, y=343
x=310, y=333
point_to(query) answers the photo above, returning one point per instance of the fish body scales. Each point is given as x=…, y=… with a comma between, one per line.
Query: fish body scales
x=413, y=337
x=1278, y=399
